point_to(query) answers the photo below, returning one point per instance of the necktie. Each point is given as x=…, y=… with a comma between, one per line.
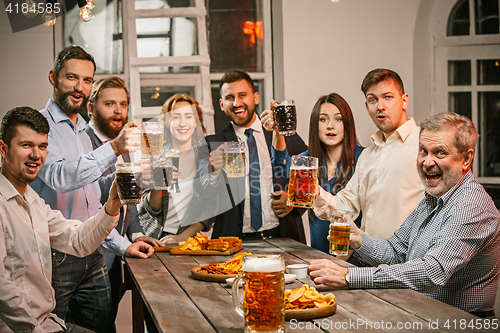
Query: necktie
x=254, y=181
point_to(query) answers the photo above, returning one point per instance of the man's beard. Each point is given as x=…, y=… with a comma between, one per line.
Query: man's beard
x=62, y=99
x=104, y=126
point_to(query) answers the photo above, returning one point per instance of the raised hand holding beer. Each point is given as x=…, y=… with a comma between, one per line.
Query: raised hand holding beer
x=112, y=206
x=127, y=141
x=217, y=159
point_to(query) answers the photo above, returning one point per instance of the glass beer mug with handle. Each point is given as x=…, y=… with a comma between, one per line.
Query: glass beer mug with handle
x=340, y=227
x=263, y=293
x=302, y=181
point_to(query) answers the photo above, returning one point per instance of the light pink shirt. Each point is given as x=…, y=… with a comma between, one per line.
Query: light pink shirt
x=28, y=229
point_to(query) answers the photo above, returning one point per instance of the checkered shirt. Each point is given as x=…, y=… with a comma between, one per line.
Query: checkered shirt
x=448, y=249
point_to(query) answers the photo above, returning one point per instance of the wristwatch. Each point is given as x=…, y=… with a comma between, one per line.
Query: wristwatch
x=347, y=277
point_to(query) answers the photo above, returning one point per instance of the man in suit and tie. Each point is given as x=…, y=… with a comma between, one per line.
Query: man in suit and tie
x=252, y=206
x=108, y=109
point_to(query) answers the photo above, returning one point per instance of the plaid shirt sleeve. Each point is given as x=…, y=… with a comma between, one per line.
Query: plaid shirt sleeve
x=447, y=249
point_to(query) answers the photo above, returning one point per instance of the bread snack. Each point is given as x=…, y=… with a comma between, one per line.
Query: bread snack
x=307, y=297
x=230, y=267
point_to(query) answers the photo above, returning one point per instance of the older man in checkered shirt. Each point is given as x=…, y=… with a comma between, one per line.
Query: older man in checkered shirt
x=449, y=246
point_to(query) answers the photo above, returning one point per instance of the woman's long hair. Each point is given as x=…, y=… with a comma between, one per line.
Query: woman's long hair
x=318, y=149
x=169, y=105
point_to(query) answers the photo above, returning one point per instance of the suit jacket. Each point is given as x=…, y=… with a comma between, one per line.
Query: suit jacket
x=128, y=222
x=231, y=191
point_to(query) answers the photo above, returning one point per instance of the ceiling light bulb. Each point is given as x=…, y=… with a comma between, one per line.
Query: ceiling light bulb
x=85, y=14
x=335, y=1
x=49, y=19
x=90, y=4
x=32, y=9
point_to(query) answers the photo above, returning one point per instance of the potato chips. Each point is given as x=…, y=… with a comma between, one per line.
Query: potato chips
x=230, y=267
x=202, y=242
x=198, y=242
x=307, y=297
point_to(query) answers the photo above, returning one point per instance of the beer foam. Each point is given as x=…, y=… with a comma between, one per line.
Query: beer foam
x=301, y=167
x=262, y=265
x=128, y=170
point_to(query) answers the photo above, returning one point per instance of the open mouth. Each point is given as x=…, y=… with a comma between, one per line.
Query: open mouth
x=76, y=97
x=183, y=131
x=381, y=117
x=32, y=166
x=240, y=112
x=116, y=122
x=432, y=177
x=331, y=135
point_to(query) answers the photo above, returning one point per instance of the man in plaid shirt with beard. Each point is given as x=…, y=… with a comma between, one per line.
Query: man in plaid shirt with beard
x=449, y=246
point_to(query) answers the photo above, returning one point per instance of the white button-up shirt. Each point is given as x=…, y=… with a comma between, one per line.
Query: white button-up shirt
x=269, y=218
x=28, y=228
x=385, y=186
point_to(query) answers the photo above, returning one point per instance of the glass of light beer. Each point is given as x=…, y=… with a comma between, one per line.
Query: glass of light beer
x=129, y=183
x=302, y=181
x=340, y=226
x=286, y=117
x=234, y=159
x=151, y=139
x=263, y=293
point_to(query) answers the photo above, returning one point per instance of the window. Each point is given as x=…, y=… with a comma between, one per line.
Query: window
x=470, y=52
x=162, y=47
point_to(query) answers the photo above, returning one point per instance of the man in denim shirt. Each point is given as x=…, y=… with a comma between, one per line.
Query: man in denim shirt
x=68, y=183
x=449, y=246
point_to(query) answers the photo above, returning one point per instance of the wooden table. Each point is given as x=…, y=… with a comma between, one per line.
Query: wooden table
x=179, y=303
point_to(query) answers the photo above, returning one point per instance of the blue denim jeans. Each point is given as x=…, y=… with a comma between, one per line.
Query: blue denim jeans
x=83, y=291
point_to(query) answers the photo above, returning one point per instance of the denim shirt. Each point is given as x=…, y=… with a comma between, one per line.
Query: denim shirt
x=68, y=179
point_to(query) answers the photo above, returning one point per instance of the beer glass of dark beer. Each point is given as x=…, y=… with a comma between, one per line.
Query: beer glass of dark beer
x=173, y=155
x=302, y=181
x=263, y=293
x=234, y=159
x=162, y=173
x=340, y=226
x=286, y=117
x=129, y=183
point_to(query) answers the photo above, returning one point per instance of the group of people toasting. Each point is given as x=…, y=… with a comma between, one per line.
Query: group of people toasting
x=421, y=219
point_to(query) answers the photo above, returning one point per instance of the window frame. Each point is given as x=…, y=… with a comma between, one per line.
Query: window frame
x=470, y=47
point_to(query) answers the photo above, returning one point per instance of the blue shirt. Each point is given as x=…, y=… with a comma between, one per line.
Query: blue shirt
x=318, y=228
x=448, y=249
x=68, y=179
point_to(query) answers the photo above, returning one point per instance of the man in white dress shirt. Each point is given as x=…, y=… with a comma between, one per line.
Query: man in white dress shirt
x=29, y=228
x=385, y=186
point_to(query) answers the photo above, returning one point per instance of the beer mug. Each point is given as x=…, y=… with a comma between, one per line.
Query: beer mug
x=129, y=183
x=151, y=139
x=340, y=226
x=234, y=159
x=162, y=173
x=302, y=181
x=263, y=293
x=286, y=117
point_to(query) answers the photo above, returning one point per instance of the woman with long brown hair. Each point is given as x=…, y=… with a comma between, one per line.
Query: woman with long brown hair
x=332, y=139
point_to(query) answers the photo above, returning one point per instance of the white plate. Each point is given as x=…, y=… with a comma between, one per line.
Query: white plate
x=289, y=278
